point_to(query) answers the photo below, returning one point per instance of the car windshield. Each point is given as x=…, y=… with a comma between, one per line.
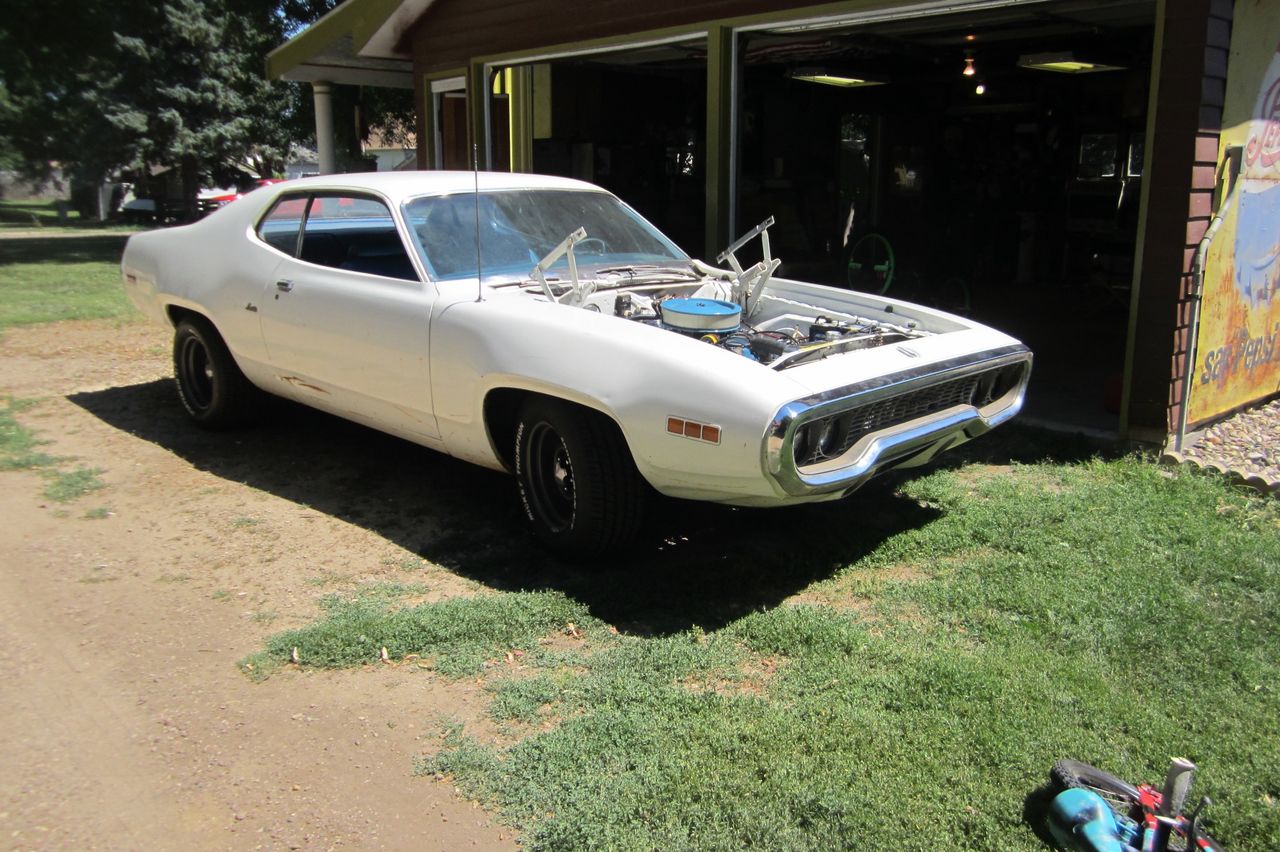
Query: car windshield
x=520, y=227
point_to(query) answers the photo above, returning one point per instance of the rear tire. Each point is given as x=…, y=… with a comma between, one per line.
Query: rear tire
x=579, y=487
x=212, y=388
x=1119, y=794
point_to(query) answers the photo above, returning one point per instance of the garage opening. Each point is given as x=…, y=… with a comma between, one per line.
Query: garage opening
x=632, y=121
x=988, y=163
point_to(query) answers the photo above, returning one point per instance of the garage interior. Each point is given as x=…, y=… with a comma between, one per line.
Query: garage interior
x=986, y=162
x=631, y=122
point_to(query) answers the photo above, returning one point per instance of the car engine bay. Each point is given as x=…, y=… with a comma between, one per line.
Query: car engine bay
x=792, y=332
x=730, y=308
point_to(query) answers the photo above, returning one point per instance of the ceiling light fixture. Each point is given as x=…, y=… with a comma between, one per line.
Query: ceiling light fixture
x=1065, y=62
x=829, y=77
x=969, y=70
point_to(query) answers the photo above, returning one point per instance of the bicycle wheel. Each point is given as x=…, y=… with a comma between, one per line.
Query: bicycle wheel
x=1121, y=796
x=871, y=264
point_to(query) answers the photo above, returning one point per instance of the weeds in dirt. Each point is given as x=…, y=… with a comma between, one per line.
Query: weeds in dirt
x=457, y=635
x=18, y=444
x=325, y=578
x=18, y=452
x=65, y=486
x=98, y=513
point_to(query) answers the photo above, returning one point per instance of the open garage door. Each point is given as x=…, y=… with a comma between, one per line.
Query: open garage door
x=987, y=162
x=632, y=121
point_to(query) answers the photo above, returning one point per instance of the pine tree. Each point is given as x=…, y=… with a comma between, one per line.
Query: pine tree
x=101, y=86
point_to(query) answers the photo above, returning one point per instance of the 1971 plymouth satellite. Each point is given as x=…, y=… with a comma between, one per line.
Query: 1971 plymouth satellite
x=540, y=326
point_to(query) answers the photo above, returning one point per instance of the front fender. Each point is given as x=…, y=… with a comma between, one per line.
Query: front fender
x=639, y=375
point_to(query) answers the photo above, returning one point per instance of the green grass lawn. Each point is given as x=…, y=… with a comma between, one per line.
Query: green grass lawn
x=32, y=213
x=50, y=278
x=943, y=645
x=25, y=214
x=895, y=671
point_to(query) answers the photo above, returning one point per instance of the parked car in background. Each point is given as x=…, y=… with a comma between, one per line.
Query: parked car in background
x=540, y=326
x=210, y=199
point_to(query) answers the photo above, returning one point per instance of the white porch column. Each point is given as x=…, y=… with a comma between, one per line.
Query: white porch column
x=324, y=126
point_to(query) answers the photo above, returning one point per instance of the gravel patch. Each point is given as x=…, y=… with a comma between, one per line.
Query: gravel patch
x=1245, y=446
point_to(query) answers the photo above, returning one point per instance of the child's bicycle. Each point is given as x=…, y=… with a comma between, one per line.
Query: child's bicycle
x=1098, y=812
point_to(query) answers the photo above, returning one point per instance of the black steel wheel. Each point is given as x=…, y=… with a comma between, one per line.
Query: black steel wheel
x=213, y=390
x=578, y=485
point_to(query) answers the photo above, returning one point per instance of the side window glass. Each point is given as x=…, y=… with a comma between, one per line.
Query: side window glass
x=279, y=228
x=356, y=234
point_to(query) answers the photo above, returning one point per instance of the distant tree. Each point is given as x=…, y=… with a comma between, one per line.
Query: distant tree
x=189, y=91
x=9, y=157
x=51, y=60
x=101, y=85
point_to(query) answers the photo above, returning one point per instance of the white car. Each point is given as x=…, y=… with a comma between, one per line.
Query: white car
x=584, y=352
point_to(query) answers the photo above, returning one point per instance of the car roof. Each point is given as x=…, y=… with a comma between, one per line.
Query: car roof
x=398, y=186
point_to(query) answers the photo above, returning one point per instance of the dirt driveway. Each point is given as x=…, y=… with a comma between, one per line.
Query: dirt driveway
x=124, y=721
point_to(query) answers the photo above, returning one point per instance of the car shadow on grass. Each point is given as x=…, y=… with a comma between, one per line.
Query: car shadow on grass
x=694, y=563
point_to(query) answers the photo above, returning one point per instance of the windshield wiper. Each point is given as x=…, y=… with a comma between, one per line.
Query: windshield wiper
x=646, y=270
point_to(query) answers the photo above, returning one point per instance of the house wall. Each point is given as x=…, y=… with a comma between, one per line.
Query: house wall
x=456, y=31
x=1237, y=354
x=1188, y=100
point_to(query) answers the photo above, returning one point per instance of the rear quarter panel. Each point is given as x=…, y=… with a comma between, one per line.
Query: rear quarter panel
x=215, y=267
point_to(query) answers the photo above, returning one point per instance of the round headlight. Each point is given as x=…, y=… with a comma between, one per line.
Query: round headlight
x=800, y=445
x=828, y=437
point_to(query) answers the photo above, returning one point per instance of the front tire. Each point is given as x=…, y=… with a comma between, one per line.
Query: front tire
x=213, y=390
x=579, y=487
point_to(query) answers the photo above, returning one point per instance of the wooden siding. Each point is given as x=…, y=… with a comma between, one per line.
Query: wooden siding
x=454, y=31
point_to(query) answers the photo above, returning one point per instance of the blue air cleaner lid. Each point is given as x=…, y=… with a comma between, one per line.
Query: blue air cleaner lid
x=701, y=314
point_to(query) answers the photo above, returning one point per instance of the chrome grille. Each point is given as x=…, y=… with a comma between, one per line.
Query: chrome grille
x=831, y=436
x=900, y=409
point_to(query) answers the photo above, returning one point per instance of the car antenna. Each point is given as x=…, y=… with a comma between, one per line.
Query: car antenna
x=475, y=171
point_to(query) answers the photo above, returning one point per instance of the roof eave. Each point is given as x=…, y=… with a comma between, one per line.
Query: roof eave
x=377, y=54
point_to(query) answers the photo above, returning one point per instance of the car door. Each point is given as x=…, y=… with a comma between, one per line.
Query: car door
x=346, y=315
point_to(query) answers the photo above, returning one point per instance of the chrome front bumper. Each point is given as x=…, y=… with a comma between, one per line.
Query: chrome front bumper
x=898, y=420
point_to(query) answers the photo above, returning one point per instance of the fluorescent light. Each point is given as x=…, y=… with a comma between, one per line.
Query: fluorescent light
x=1064, y=63
x=828, y=78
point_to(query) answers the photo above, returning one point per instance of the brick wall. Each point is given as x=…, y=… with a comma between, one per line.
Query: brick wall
x=1189, y=98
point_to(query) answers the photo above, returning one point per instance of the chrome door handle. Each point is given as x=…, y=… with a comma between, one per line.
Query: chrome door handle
x=284, y=285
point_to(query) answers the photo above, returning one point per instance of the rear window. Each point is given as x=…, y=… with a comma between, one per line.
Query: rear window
x=279, y=228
